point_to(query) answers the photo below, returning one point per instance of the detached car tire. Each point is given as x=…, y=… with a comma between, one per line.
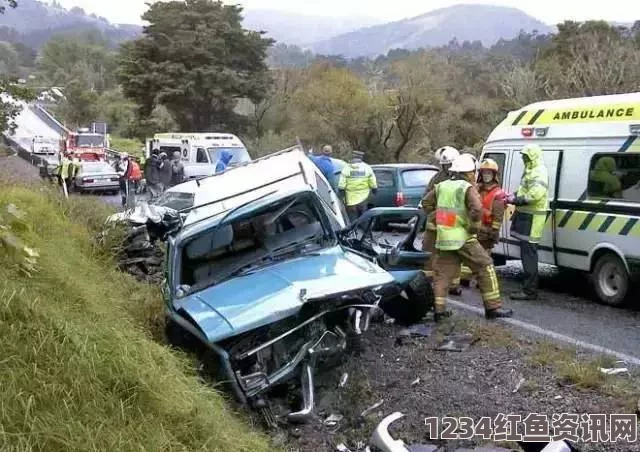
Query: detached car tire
x=610, y=280
x=420, y=300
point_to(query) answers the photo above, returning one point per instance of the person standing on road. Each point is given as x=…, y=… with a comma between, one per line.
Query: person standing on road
x=177, y=169
x=458, y=212
x=325, y=164
x=123, y=168
x=63, y=172
x=152, y=174
x=532, y=204
x=445, y=155
x=357, y=182
x=493, y=204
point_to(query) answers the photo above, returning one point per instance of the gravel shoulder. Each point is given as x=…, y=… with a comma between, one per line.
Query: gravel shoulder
x=480, y=381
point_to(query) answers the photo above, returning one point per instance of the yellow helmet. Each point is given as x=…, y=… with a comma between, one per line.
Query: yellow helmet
x=489, y=164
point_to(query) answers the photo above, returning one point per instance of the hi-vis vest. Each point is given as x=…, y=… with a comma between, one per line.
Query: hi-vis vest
x=452, y=219
x=487, y=207
x=357, y=180
x=63, y=168
x=134, y=172
x=528, y=222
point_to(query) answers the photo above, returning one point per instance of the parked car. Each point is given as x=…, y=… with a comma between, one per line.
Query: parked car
x=266, y=274
x=96, y=177
x=401, y=184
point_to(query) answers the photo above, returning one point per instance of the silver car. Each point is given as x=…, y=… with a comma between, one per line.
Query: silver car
x=96, y=177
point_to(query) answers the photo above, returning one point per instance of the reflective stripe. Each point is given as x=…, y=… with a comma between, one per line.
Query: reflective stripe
x=535, y=183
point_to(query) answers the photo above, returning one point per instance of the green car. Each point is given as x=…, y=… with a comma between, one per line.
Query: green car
x=401, y=184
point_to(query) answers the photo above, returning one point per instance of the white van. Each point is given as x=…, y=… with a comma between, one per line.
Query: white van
x=594, y=216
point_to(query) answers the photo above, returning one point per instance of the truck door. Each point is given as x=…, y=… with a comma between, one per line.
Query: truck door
x=546, y=247
x=501, y=159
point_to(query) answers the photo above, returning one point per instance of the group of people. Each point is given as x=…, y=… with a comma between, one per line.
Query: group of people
x=465, y=210
x=465, y=207
x=159, y=173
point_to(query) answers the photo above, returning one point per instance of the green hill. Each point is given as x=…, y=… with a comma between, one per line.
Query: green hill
x=80, y=369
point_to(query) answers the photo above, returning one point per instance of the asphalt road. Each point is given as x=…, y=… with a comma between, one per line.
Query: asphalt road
x=566, y=306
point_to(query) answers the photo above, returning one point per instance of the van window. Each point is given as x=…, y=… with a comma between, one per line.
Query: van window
x=384, y=179
x=615, y=176
x=201, y=156
x=500, y=158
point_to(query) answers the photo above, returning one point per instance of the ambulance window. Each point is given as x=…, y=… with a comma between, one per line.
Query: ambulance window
x=201, y=156
x=500, y=158
x=615, y=176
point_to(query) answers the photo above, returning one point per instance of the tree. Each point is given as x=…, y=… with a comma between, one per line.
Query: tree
x=86, y=58
x=10, y=92
x=579, y=60
x=332, y=106
x=11, y=3
x=80, y=105
x=196, y=60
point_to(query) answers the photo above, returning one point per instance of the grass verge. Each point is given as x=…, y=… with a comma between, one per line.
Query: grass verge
x=80, y=370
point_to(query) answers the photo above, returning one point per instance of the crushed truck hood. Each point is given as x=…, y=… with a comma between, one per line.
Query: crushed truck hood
x=273, y=293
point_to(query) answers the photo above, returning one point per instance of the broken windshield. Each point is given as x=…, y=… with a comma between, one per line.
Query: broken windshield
x=281, y=231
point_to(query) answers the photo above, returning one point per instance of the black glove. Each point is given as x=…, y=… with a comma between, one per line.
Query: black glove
x=521, y=201
x=374, y=191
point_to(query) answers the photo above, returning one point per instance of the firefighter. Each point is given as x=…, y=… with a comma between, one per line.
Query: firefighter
x=357, y=182
x=458, y=212
x=493, y=204
x=445, y=155
x=532, y=204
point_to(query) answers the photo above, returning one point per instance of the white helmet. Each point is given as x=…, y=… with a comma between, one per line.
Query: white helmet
x=465, y=163
x=446, y=155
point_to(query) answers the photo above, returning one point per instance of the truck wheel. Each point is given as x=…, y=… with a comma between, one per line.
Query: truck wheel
x=610, y=280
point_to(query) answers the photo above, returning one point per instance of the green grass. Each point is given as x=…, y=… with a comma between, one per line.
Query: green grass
x=128, y=145
x=80, y=369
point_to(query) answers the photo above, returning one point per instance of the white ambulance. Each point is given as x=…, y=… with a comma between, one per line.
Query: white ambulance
x=592, y=152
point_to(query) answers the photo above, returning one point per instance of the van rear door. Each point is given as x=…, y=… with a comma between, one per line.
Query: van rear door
x=516, y=170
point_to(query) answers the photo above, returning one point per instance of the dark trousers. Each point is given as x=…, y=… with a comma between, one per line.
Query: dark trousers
x=529, y=256
x=356, y=211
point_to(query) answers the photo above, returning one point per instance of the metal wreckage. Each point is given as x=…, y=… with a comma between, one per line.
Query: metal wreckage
x=264, y=270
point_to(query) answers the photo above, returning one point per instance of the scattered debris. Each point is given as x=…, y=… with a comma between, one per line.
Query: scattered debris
x=520, y=382
x=333, y=420
x=420, y=330
x=342, y=448
x=457, y=342
x=415, y=382
x=383, y=440
x=422, y=448
x=343, y=380
x=558, y=397
x=371, y=408
x=616, y=371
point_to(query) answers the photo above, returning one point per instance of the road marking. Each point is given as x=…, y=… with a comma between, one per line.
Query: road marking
x=628, y=359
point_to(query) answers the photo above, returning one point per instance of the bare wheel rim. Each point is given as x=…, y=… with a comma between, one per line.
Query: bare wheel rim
x=610, y=279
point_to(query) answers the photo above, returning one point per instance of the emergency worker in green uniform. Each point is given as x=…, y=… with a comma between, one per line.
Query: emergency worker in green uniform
x=532, y=206
x=357, y=182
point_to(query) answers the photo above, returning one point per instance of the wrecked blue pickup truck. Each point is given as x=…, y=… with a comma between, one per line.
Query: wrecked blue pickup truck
x=266, y=273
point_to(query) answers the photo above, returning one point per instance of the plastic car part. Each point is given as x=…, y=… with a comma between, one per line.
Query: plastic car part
x=383, y=440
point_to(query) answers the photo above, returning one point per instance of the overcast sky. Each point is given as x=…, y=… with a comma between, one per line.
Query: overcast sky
x=549, y=11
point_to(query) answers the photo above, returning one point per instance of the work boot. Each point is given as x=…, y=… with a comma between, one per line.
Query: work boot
x=440, y=316
x=499, y=313
x=523, y=296
x=455, y=291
